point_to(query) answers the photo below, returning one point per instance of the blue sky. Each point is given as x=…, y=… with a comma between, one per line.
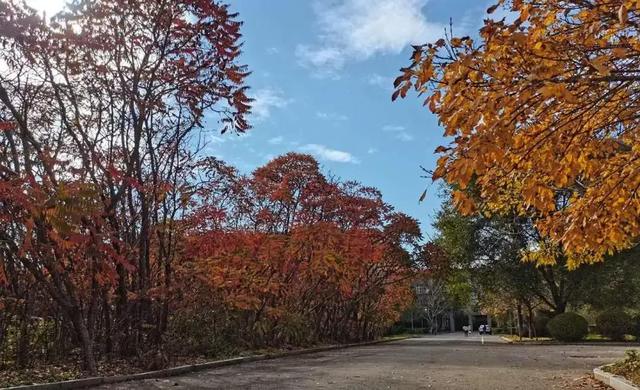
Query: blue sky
x=322, y=80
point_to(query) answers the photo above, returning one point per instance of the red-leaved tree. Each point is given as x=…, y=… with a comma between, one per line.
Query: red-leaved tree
x=99, y=107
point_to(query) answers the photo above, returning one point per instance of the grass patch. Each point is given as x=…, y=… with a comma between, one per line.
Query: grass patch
x=517, y=339
x=400, y=336
x=628, y=368
x=599, y=337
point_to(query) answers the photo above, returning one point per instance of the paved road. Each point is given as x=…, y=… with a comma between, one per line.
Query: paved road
x=440, y=362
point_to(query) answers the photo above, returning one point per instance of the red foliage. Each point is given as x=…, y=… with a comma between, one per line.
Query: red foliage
x=111, y=223
x=331, y=253
x=98, y=107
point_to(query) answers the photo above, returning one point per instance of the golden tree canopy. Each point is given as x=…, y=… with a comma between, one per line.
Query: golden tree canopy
x=543, y=114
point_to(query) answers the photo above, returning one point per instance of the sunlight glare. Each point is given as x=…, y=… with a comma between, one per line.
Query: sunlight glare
x=49, y=7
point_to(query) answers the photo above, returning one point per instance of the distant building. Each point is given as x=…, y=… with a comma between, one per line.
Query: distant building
x=433, y=312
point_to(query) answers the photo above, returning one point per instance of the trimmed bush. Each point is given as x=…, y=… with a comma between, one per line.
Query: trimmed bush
x=614, y=324
x=568, y=327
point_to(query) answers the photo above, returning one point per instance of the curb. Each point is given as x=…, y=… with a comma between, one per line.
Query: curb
x=180, y=370
x=576, y=343
x=615, y=381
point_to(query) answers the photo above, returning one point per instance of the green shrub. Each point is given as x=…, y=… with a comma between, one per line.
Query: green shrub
x=636, y=327
x=568, y=327
x=205, y=333
x=614, y=323
x=499, y=330
x=396, y=329
x=540, y=322
x=291, y=329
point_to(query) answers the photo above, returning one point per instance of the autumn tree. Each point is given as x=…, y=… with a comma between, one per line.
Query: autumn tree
x=294, y=257
x=542, y=112
x=490, y=253
x=99, y=108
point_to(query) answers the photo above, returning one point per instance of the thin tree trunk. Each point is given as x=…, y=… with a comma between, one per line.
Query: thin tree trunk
x=107, y=324
x=88, y=358
x=23, y=340
x=412, y=327
x=530, y=315
x=510, y=323
x=520, y=319
x=452, y=322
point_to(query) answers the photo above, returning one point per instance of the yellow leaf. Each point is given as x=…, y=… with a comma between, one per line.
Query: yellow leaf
x=524, y=14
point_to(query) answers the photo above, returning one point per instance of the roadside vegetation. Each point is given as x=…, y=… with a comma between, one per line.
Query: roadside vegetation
x=540, y=169
x=124, y=246
x=628, y=368
x=482, y=263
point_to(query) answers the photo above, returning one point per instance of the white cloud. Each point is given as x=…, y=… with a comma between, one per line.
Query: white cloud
x=265, y=100
x=323, y=61
x=273, y=50
x=276, y=140
x=372, y=151
x=405, y=137
x=216, y=139
x=393, y=128
x=399, y=132
x=325, y=153
x=331, y=116
x=353, y=30
x=381, y=81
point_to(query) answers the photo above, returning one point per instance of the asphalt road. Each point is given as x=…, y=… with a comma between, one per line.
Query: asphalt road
x=432, y=362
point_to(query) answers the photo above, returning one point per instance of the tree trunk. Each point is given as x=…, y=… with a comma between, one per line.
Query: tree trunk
x=510, y=323
x=412, y=327
x=88, y=358
x=519, y=314
x=530, y=318
x=23, y=340
x=452, y=322
x=108, y=348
